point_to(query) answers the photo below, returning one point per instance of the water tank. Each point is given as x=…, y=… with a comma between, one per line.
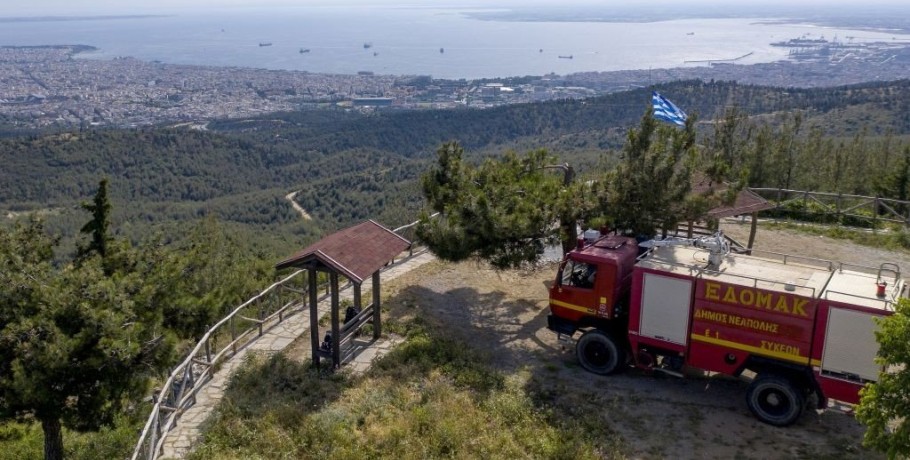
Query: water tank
x=591, y=236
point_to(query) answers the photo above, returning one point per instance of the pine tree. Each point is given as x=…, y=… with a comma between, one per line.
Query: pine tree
x=885, y=407
x=74, y=345
x=647, y=191
x=502, y=211
x=199, y=279
x=98, y=227
x=896, y=184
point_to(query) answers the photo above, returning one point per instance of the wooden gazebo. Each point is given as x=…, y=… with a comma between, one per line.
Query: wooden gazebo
x=746, y=202
x=358, y=253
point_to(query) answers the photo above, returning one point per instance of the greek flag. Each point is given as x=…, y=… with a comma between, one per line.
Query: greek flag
x=666, y=111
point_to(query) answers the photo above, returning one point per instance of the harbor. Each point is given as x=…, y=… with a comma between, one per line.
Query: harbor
x=714, y=61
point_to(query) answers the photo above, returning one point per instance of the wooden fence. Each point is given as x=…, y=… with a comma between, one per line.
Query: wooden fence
x=242, y=326
x=238, y=329
x=839, y=206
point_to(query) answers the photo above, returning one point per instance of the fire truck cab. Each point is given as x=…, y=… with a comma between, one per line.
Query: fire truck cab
x=799, y=325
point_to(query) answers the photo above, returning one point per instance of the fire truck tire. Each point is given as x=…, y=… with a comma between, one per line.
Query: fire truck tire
x=598, y=352
x=775, y=400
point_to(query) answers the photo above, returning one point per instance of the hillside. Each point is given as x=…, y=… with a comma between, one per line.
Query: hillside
x=349, y=166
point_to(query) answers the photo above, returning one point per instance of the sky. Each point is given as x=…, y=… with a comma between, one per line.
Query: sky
x=94, y=7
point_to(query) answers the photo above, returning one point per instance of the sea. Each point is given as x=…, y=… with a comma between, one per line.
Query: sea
x=440, y=42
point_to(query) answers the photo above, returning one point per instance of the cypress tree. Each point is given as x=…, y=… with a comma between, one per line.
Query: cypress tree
x=97, y=227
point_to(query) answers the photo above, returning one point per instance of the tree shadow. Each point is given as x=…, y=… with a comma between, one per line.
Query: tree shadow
x=484, y=340
x=631, y=412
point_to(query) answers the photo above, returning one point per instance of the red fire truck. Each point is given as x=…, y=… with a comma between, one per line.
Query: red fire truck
x=800, y=325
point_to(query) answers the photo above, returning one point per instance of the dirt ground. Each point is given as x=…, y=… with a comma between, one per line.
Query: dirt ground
x=789, y=242
x=654, y=415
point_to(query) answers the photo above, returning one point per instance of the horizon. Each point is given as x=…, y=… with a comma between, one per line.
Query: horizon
x=77, y=8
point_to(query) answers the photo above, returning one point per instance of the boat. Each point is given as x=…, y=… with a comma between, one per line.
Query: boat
x=442, y=50
x=304, y=50
x=566, y=57
x=690, y=33
x=265, y=43
x=375, y=53
x=367, y=45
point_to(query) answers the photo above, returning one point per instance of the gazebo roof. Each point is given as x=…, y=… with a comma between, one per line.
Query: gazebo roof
x=746, y=201
x=356, y=252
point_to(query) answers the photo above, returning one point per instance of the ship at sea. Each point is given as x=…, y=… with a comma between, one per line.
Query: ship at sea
x=442, y=50
x=265, y=43
x=304, y=50
x=566, y=57
x=367, y=45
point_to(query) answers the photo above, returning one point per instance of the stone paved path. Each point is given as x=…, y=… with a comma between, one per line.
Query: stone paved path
x=180, y=440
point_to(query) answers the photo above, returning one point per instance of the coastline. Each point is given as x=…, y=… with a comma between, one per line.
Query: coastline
x=70, y=86
x=887, y=18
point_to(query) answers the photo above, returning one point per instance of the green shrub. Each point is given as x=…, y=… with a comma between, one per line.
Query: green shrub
x=429, y=398
x=814, y=212
x=26, y=440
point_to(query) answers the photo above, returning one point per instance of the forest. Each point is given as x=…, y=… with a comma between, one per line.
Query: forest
x=350, y=166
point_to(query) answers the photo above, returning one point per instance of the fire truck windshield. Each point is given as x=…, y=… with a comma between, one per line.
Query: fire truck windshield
x=579, y=274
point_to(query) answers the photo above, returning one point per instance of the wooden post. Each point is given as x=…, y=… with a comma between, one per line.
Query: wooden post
x=275, y=303
x=208, y=349
x=233, y=335
x=192, y=382
x=752, y=230
x=358, y=302
x=153, y=437
x=837, y=206
x=259, y=304
x=805, y=204
x=314, y=319
x=874, y=215
x=377, y=309
x=336, y=330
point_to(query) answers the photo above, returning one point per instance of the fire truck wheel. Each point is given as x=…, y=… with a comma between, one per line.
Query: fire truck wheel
x=775, y=400
x=598, y=353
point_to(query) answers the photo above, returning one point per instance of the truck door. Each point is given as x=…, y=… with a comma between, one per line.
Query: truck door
x=575, y=288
